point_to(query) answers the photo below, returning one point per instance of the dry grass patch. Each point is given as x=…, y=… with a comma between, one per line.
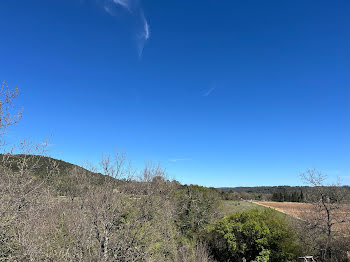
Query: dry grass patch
x=305, y=210
x=293, y=209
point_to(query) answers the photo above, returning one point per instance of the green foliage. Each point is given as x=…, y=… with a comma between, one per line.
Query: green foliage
x=253, y=236
x=197, y=207
x=61, y=235
x=232, y=206
x=147, y=220
x=281, y=193
x=294, y=196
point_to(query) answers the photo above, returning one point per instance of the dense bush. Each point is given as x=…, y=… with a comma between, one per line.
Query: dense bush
x=197, y=207
x=253, y=236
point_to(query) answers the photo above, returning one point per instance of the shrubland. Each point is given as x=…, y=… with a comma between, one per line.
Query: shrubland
x=104, y=218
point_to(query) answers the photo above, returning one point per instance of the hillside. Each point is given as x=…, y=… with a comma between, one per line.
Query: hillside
x=61, y=176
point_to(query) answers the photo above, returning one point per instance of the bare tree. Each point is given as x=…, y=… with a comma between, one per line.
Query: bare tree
x=329, y=215
x=8, y=116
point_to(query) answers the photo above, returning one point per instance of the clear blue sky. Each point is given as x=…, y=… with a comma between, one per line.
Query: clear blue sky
x=221, y=93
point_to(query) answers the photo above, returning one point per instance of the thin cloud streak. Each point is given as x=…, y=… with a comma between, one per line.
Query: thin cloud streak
x=123, y=3
x=144, y=36
x=208, y=92
x=133, y=7
x=179, y=159
x=146, y=28
x=108, y=10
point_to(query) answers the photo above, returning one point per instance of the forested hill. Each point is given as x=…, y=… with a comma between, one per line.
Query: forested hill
x=266, y=189
x=61, y=176
x=271, y=189
x=42, y=163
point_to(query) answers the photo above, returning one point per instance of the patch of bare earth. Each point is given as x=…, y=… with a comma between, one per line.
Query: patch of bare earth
x=304, y=210
x=290, y=208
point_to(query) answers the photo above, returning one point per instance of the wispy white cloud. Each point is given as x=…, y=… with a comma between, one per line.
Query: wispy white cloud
x=108, y=10
x=144, y=35
x=146, y=28
x=179, y=159
x=135, y=9
x=123, y=3
x=209, y=91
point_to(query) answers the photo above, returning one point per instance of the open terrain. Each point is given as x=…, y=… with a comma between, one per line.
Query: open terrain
x=231, y=206
x=306, y=210
x=290, y=208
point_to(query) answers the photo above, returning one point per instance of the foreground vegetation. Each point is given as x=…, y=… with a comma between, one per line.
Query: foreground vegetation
x=253, y=236
x=53, y=211
x=121, y=215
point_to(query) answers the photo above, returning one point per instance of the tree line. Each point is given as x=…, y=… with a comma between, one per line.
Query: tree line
x=286, y=197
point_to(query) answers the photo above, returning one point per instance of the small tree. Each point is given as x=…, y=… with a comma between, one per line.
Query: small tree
x=328, y=213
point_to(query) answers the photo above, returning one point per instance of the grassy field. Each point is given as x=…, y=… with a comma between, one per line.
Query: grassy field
x=232, y=206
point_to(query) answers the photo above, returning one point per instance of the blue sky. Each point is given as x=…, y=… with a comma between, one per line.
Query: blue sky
x=221, y=93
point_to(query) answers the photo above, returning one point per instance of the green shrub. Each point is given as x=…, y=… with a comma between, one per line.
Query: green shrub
x=253, y=236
